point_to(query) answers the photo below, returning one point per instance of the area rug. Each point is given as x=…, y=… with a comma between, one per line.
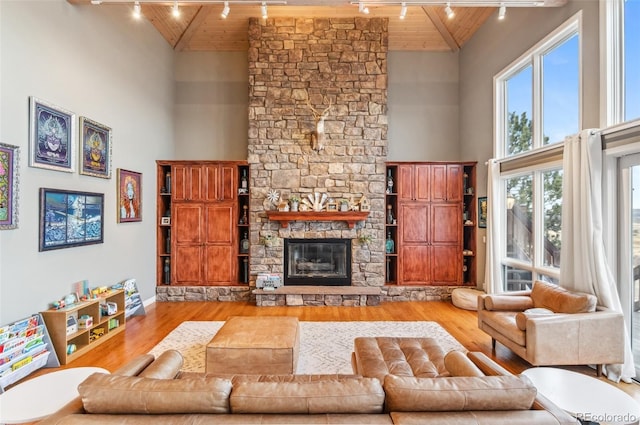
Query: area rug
x=325, y=347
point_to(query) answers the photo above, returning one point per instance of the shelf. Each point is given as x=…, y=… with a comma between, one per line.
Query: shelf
x=350, y=217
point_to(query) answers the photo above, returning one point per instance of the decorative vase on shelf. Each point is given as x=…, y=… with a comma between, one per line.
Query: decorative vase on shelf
x=389, y=214
x=389, y=182
x=389, y=245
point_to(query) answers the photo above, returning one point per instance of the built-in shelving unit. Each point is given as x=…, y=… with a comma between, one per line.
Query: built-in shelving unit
x=243, y=224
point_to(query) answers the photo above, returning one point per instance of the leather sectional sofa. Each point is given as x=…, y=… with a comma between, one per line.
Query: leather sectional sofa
x=154, y=391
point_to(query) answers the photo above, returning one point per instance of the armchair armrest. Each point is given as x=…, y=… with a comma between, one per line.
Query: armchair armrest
x=579, y=338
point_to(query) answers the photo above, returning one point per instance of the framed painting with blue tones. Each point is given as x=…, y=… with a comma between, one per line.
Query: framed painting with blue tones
x=9, y=160
x=51, y=136
x=69, y=218
x=95, y=149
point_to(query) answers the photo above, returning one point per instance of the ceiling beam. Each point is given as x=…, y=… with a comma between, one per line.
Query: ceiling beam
x=192, y=28
x=441, y=27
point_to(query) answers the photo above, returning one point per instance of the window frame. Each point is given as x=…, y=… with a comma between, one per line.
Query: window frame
x=541, y=158
x=533, y=57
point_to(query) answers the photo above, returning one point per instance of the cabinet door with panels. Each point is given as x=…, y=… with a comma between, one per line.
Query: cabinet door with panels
x=187, y=182
x=446, y=182
x=188, y=241
x=219, y=246
x=414, y=181
x=221, y=182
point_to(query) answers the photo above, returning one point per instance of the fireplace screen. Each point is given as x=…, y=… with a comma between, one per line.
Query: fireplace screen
x=317, y=262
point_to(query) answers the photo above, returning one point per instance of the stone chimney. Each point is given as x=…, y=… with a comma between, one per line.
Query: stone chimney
x=294, y=62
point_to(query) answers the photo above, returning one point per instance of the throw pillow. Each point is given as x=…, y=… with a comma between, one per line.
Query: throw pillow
x=560, y=300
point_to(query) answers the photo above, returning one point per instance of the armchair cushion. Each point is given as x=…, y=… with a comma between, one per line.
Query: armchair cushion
x=507, y=302
x=522, y=316
x=560, y=300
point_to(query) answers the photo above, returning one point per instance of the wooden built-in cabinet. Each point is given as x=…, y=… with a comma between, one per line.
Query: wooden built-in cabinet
x=430, y=206
x=200, y=223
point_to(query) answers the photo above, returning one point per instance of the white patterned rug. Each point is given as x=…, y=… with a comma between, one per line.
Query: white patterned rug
x=325, y=347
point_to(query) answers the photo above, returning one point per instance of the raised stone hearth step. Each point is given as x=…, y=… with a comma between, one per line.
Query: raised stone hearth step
x=319, y=295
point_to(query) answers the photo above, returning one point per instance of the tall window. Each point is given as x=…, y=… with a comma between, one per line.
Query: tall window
x=538, y=105
x=631, y=58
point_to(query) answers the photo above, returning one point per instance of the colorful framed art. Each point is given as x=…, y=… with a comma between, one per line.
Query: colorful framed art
x=51, y=136
x=70, y=218
x=95, y=149
x=129, y=196
x=482, y=212
x=9, y=160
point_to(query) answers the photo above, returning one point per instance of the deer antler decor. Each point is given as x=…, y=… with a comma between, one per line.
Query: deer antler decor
x=317, y=136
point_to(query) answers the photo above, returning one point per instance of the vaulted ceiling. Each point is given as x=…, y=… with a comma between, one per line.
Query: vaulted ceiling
x=200, y=26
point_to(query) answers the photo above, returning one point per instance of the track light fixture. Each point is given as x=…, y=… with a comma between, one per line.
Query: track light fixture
x=502, y=11
x=137, y=12
x=403, y=10
x=263, y=10
x=96, y=2
x=449, y=11
x=362, y=8
x=225, y=10
x=175, y=11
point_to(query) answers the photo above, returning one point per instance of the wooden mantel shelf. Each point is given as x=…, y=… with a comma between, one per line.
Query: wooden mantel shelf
x=350, y=217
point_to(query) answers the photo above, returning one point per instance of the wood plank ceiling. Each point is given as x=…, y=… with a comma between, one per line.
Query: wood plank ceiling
x=201, y=28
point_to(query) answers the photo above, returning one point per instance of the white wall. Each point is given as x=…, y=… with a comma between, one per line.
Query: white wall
x=212, y=101
x=423, y=106
x=99, y=63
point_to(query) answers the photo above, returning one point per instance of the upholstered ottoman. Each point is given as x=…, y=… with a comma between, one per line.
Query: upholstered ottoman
x=255, y=345
x=377, y=357
x=466, y=298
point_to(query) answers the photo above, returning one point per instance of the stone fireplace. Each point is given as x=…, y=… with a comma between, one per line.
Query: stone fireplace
x=296, y=64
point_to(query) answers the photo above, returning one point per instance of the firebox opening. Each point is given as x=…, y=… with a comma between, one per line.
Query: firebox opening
x=317, y=262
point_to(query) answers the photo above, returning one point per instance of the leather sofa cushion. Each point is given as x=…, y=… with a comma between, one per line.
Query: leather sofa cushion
x=560, y=300
x=377, y=357
x=361, y=395
x=104, y=393
x=412, y=394
x=166, y=366
x=458, y=364
x=507, y=302
x=522, y=316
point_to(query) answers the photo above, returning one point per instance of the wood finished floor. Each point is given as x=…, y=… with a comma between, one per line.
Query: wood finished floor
x=144, y=332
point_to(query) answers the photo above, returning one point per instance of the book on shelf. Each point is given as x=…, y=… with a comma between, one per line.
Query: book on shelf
x=20, y=343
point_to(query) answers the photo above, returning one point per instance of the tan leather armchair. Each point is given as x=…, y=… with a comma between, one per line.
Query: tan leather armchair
x=572, y=330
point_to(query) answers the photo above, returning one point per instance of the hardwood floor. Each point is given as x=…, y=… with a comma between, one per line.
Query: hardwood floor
x=144, y=332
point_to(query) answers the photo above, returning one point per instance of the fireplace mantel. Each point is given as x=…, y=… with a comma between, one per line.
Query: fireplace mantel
x=350, y=217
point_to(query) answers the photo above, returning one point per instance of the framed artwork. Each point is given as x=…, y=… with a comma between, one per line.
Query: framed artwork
x=9, y=160
x=51, y=136
x=129, y=196
x=69, y=218
x=95, y=149
x=482, y=212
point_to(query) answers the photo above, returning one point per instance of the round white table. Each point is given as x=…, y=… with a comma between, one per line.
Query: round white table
x=585, y=397
x=41, y=396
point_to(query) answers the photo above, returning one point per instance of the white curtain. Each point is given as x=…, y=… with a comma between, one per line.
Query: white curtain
x=584, y=265
x=492, y=271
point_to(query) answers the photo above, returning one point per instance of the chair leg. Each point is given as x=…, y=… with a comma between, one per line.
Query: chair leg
x=599, y=368
x=493, y=344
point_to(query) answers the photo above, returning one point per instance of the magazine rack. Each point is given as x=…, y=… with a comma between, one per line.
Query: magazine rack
x=25, y=346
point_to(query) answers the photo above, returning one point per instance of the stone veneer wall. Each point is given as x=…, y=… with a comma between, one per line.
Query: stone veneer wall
x=339, y=61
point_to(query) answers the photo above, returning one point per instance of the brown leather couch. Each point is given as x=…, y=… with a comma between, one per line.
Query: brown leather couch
x=549, y=325
x=153, y=391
